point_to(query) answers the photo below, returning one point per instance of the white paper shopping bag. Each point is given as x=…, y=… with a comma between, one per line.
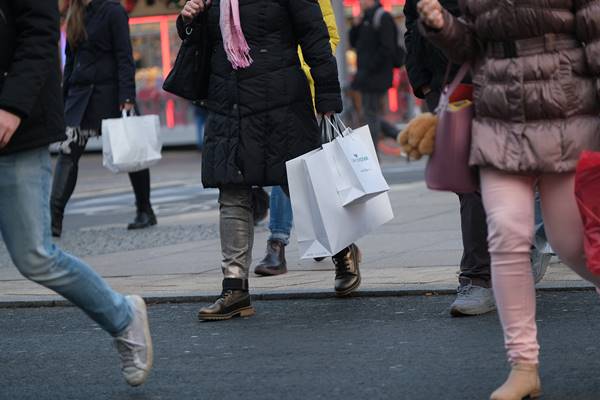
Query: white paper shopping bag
x=312, y=237
x=324, y=226
x=352, y=158
x=360, y=157
x=131, y=143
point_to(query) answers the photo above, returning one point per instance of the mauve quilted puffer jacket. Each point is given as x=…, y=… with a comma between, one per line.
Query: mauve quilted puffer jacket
x=536, y=77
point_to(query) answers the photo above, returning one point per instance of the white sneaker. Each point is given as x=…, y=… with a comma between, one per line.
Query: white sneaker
x=472, y=300
x=539, y=263
x=135, y=345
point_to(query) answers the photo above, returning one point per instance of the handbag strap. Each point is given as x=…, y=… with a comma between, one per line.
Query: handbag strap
x=449, y=89
x=460, y=75
x=447, y=74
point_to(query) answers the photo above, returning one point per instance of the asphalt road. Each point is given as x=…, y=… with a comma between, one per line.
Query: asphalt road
x=361, y=348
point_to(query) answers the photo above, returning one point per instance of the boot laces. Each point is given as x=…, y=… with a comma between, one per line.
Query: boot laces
x=464, y=289
x=128, y=350
x=342, y=264
x=226, y=294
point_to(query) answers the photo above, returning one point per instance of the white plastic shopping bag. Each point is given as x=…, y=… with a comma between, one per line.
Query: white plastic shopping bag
x=353, y=159
x=323, y=225
x=131, y=143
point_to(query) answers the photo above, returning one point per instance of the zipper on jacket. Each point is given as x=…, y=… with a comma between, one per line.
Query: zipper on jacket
x=3, y=16
x=196, y=55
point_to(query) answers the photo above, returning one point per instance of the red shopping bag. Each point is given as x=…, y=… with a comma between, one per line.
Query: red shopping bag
x=587, y=193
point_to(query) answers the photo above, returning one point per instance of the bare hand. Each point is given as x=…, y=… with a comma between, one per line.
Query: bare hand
x=192, y=8
x=431, y=13
x=8, y=126
x=127, y=107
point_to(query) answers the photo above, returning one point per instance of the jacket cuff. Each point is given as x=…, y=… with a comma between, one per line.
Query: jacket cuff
x=13, y=110
x=126, y=99
x=438, y=36
x=181, y=28
x=329, y=102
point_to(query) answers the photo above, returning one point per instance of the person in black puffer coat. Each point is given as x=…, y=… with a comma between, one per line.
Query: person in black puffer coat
x=260, y=116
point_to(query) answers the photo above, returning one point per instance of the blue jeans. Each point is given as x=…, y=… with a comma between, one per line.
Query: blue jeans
x=281, y=217
x=25, y=228
x=200, y=122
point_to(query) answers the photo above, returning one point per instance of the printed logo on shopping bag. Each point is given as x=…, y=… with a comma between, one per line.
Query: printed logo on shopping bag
x=364, y=160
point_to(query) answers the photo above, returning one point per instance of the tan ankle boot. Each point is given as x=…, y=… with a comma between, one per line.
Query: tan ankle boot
x=523, y=381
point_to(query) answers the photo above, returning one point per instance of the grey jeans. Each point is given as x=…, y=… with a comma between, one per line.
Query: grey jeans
x=237, y=231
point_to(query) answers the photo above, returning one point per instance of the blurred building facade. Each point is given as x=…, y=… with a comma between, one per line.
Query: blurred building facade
x=155, y=45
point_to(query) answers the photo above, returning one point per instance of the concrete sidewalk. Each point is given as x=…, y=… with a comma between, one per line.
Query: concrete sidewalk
x=418, y=251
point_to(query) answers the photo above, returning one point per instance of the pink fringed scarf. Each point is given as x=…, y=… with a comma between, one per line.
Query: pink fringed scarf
x=236, y=47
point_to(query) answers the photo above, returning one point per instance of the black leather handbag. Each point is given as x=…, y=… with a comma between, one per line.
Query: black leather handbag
x=190, y=74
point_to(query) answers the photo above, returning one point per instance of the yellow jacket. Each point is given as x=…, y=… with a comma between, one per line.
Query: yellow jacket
x=334, y=39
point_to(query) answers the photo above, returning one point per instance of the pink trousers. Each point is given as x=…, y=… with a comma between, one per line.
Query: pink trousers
x=509, y=204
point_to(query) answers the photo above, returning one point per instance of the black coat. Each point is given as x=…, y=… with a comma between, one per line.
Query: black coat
x=30, y=72
x=99, y=72
x=375, y=48
x=262, y=116
x=426, y=64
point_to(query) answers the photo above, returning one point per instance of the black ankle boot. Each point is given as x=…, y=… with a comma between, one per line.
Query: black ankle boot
x=144, y=218
x=347, y=272
x=234, y=301
x=274, y=262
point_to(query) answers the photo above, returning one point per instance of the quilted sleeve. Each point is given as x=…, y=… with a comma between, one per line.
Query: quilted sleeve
x=456, y=39
x=312, y=33
x=588, y=30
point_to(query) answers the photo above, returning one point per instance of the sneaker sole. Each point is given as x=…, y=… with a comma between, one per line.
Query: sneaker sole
x=242, y=312
x=270, y=273
x=133, y=228
x=458, y=313
x=141, y=304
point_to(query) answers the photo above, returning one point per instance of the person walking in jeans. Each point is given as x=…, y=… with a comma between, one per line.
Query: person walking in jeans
x=260, y=115
x=535, y=77
x=426, y=66
x=375, y=47
x=31, y=117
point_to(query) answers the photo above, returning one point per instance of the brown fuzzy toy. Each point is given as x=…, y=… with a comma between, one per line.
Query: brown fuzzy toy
x=418, y=138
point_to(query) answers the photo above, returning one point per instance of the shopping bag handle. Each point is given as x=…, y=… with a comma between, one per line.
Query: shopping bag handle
x=326, y=133
x=332, y=127
x=340, y=123
x=127, y=114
